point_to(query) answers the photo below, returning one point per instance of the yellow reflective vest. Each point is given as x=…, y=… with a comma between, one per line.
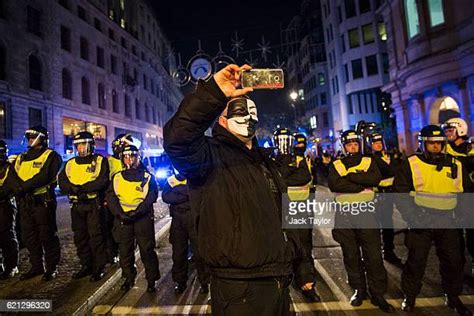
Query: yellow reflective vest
x=435, y=189
x=366, y=195
x=388, y=181
x=115, y=166
x=28, y=169
x=79, y=174
x=130, y=193
x=452, y=152
x=301, y=193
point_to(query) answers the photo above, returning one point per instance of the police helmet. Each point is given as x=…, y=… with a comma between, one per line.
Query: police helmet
x=39, y=134
x=88, y=139
x=431, y=133
x=377, y=137
x=130, y=151
x=458, y=124
x=350, y=136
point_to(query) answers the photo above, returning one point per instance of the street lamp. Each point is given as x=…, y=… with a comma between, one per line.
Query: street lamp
x=294, y=96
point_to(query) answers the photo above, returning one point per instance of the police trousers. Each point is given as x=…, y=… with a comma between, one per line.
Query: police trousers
x=88, y=226
x=8, y=239
x=39, y=231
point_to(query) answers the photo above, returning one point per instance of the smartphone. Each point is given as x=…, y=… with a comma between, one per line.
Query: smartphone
x=262, y=79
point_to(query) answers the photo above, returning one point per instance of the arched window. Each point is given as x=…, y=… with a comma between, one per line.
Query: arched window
x=115, y=102
x=67, y=84
x=86, y=97
x=101, y=95
x=34, y=67
x=3, y=72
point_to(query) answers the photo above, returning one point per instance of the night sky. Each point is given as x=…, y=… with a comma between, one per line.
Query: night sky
x=214, y=21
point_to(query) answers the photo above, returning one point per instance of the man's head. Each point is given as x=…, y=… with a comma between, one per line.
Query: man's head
x=122, y=140
x=377, y=142
x=350, y=142
x=84, y=143
x=240, y=118
x=455, y=128
x=300, y=144
x=130, y=157
x=432, y=142
x=3, y=152
x=37, y=137
x=283, y=140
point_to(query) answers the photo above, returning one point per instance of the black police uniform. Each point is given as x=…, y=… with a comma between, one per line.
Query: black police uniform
x=87, y=213
x=38, y=211
x=136, y=226
x=183, y=233
x=8, y=238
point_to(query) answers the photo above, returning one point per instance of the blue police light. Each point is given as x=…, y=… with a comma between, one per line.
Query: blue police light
x=162, y=173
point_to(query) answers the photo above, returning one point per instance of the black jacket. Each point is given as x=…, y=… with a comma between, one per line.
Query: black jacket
x=233, y=190
x=99, y=185
x=353, y=182
x=177, y=197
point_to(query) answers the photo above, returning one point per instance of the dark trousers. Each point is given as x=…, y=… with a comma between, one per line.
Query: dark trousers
x=263, y=297
x=111, y=244
x=447, y=243
x=469, y=242
x=303, y=265
x=8, y=240
x=384, y=208
x=39, y=231
x=362, y=253
x=141, y=232
x=87, y=225
x=182, y=235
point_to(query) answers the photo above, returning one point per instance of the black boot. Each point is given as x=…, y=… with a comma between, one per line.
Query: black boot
x=85, y=271
x=180, y=287
x=49, y=275
x=358, y=297
x=32, y=273
x=127, y=285
x=379, y=300
x=408, y=304
x=311, y=295
x=455, y=303
x=151, y=287
x=9, y=273
x=97, y=276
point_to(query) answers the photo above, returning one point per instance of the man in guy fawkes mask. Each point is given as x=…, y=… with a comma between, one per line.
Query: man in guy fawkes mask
x=231, y=179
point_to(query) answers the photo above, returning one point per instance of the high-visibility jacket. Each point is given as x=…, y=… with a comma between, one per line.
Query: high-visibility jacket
x=27, y=169
x=115, y=166
x=173, y=181
x=450, y=150
x=435, y=189
x=79, y=174
x=301, y=193
x=131, y=193
x=388, y=181
x=364, y=196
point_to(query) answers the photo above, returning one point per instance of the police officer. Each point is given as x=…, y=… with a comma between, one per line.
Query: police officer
x=130, y=197
x=8, y=239
x=432, y=178
x=183, y=232
x=384, y=202
x=37, y=169
x=84, y=179
x=353, y=178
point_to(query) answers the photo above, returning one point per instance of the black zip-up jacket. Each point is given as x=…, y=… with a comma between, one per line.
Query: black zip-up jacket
x=99, y=185
x=353, y=182
x=240, y=232
x=144, y=208
x=47, y=174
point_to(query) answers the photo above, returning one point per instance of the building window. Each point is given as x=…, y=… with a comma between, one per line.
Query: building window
x=346, y=73
x=123, y=42
x=436, y=12
x=145, y=82
x=81, y=13
x=323, y=98
x=112, y=34
x=100, y=57
x=147, y=114
x=357, y=69
x=364, y=6
x=368, y=34
x=134, y=50
x=350, y=109
x=325, y=119
x=371, y=63
x=385, y=63
x=3, y=63
x=153, y=115
x=67, y=84
x=65, y=38
x=3, y=120
x=84, y=45
x=64, y=4
x=115, y=106
x=86, y=97
x=35, y=117
x=321, y=79
x=382, y=31
x=101, y=95
x=113, y=64
x=152, y=86
x=126, y=102
x=143, y=56
x=350, y=8
x=34, y=21
x=35, y=72
x=354, y=38
x=97, y=24
x=343, y=44
x=339, y=14
x=138, y=110
x=412, y=19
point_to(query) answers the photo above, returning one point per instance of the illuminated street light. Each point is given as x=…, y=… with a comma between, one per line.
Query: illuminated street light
x=293, y=95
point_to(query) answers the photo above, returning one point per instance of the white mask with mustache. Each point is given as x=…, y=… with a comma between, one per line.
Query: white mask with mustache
x=242, y=117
